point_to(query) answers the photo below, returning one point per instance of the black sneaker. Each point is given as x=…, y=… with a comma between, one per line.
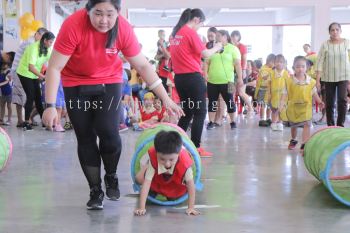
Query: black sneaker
x=263, y=123
x=210, y=126
x=27, y=126
x=269, y=122
x=112, y=187
x=233, y=125
x=292, y=144
x=96, y=199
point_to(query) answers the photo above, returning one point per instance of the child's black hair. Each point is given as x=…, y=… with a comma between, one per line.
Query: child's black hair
x=213, y=29
x=280, y=57
x=168, y=142
x=4, y=65
x=270, y=58
x=12, y=57
x=258, y=63
x=300, y=58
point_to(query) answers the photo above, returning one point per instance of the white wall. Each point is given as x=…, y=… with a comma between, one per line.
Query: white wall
x=11, y=25
x=54, y=20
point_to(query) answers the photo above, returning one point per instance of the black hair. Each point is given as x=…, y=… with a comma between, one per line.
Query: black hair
x=41, y=31
x=236, y=33
x=213, y=29
x=42, y=48
x=300, y=58
x=225, y=33
x=332, y=24
x=12, y=57
x=186, y=16
x=168, y=142
x=113, y=33
x=258, y=63
x=270, y=58
x=307, y=45
x=280, y=57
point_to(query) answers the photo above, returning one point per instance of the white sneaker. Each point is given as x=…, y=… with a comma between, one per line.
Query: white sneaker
x=279, y=126
x=274, y=126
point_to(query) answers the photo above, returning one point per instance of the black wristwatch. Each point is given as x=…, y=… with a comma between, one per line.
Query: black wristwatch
x=49, y=105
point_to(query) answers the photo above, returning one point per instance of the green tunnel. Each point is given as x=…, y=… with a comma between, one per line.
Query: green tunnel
x=320, y=154
x=5, y=149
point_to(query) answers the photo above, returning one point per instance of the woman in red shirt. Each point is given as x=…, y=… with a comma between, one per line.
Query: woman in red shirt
x=86, y=57
x=186, y=49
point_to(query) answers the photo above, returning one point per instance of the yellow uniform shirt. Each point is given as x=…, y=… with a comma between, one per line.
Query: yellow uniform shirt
x=278, y=82
x=263, y=81
x=299, y=104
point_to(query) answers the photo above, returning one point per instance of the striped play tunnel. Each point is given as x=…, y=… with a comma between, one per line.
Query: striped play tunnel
x=5, y=149
x=146, y=141
x=322, y=154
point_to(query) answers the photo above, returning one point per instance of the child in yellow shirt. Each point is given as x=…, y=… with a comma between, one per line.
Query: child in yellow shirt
x=278, y=80
x=299, y=91
x=261, y=91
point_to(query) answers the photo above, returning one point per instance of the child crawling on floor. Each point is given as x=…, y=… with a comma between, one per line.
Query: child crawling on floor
x=168, y=172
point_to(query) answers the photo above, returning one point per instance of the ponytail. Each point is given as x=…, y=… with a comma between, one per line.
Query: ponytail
x=43, y=50
x=184, y=18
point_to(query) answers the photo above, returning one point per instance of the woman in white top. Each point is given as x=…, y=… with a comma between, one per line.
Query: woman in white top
x=333, y=68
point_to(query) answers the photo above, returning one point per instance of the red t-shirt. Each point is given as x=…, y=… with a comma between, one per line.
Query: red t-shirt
x=146, y=116
x=186, y=50
x=90, y=61
x=311, y=53
x=173, y=187
x=243, y=49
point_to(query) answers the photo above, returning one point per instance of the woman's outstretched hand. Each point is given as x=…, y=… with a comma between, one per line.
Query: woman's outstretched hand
x=173, y=108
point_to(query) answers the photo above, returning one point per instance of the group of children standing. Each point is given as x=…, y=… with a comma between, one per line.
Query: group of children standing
x=287, y=97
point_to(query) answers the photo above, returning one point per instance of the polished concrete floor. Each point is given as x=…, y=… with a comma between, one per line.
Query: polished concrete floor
x=252, y=184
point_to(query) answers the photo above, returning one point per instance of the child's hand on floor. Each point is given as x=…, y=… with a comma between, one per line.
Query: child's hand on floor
x=191, y=211
x=140, y=212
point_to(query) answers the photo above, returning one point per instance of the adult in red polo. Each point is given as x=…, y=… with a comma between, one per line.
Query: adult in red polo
x=186, y=49
x=85, y=55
